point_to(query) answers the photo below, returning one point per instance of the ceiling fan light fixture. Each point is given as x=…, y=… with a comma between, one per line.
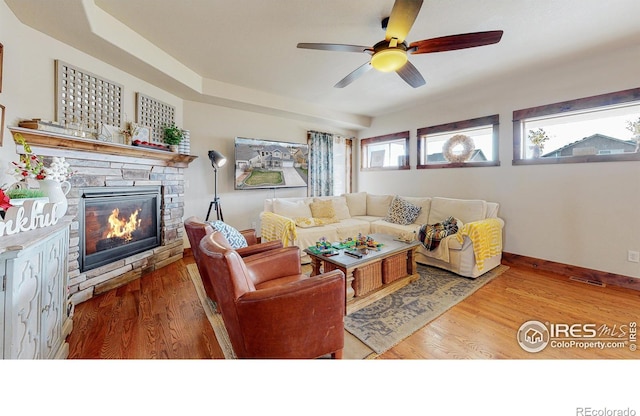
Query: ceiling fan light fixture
x=389, y=60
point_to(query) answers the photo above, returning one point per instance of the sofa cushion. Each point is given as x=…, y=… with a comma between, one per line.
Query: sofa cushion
x=424, y=202
x=234, y=237
x=357, y=203
x=306, y=222
x=339, y=206
x=351, y=228
x=466, y=210
x=291, y=209
x=402, y=211
x=378, y=205
x=398, y=230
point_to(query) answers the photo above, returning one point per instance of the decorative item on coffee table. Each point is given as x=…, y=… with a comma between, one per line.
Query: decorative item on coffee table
x=324, y=247
x=366, y=243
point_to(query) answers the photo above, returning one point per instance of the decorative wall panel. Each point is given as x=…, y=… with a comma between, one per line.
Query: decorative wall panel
x=154, y=114
x=84, y=100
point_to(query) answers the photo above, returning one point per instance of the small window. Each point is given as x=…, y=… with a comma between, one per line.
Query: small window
x=468, y=143
x=602, y=128
x=385, y=152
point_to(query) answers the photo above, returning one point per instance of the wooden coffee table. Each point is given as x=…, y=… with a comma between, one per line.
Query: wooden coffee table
x=373, y=276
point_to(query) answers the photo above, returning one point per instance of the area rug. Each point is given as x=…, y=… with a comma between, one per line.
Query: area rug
x=388, y=321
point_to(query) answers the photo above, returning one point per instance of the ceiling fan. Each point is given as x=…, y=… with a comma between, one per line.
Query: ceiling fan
x=390, y=54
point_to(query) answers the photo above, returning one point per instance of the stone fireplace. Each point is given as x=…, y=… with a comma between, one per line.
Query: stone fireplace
x=109, y=170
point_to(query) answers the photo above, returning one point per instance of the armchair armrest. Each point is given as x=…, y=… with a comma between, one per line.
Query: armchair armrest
x=300, y=319
x=273, y=264
x=258, y=248
x=250, y=235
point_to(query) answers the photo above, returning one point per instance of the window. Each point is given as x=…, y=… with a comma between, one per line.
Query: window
x=601, y=128
x=385, y=152
x=468, y=143
x=341, y=165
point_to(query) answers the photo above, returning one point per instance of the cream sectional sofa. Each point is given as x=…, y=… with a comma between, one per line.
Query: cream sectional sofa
x=474, y=250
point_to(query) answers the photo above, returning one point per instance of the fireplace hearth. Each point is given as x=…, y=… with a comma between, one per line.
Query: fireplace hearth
x=117, y=222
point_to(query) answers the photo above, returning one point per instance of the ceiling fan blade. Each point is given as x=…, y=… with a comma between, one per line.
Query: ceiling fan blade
x=354, y=75
x=403, y=15
x=454, y=42
x=411, y=75
x=334, y=47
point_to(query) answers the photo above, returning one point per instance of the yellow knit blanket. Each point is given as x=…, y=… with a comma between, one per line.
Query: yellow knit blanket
x=486, y=237
x=275, y=227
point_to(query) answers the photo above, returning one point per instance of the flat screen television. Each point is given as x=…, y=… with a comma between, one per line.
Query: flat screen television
x=263, y=164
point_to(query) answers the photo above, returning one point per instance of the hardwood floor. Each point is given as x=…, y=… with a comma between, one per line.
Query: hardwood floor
x=156, y=316
x=160, y=316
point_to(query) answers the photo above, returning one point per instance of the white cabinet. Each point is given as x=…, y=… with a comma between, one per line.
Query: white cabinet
x=34, y=321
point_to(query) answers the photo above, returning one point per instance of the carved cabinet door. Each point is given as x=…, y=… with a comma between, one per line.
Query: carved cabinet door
x=24, y=310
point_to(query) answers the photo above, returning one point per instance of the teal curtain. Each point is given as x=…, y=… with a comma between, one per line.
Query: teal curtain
x=320, y=164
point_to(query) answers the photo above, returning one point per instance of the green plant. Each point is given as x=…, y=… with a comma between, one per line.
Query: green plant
x=21, y=193
x=172, y=135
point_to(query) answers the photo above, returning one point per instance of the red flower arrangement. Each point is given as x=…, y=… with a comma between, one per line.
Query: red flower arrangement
x=5, y=203
x=30, y=165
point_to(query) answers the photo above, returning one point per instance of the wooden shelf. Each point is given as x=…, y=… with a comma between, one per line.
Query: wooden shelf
x=48, y=139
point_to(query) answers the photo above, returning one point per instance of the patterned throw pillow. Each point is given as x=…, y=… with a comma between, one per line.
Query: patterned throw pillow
x=402, y=212
x=233, y=236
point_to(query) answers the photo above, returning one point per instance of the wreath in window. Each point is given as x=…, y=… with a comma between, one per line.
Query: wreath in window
x=458, y=156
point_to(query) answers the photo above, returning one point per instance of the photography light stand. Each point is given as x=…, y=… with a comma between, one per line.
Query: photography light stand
x=217, y=161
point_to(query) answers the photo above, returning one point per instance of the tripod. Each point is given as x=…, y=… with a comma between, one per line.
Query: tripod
x=217, y=160
x=216, y=202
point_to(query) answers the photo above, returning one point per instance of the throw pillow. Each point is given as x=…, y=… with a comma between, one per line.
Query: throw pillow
x=339, y=206
x=322, y=209
x=402, y=212
x=234, y=237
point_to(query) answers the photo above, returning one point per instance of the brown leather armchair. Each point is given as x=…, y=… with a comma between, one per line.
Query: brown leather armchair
x=270, y=308
x=195, y=229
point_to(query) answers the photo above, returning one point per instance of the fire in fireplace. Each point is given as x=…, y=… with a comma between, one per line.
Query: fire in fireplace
x=116, y=223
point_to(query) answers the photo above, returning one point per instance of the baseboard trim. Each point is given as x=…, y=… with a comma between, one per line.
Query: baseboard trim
x=568, y=270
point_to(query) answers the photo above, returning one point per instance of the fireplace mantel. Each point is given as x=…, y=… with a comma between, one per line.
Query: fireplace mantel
x=46, y=139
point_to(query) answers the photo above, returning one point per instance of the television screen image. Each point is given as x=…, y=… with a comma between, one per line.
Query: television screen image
x=270, y=164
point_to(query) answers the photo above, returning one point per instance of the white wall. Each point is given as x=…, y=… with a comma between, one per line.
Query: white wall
x=28, y=84
x=215, y=128
x=579, y=214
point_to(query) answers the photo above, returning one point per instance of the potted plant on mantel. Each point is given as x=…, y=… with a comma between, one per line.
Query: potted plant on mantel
x=173, y=136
